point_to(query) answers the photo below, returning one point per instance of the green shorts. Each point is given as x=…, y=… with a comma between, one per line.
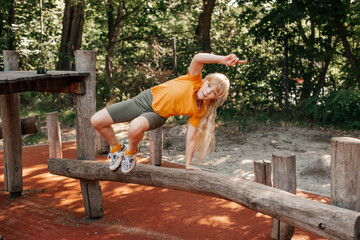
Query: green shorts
x=135, y=107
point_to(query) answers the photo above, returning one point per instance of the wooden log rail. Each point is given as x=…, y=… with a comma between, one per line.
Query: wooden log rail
x=325, y=220
x=29, y=125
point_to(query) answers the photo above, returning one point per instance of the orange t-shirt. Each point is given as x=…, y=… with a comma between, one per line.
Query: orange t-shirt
x=177, y=97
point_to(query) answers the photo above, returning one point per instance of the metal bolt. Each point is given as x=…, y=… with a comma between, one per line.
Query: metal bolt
x=322, y=226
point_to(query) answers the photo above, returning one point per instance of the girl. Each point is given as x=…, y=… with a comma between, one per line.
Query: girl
x=186, y=95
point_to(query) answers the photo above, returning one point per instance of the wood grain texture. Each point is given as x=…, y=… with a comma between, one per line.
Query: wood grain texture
x=52, y=81
x=284, y=178
x=156, y=146
x=29, y=125
x=11, y=132
x=345, y=172
x=85, y=133
x=54, y=135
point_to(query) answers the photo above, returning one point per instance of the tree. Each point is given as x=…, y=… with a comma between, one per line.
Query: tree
x=202, y=33
x=340, y=11
x=71, y=38
x=7, y=20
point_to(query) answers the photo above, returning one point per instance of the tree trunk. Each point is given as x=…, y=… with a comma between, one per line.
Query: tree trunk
x=346, y=45
x=7, y=18
x=203, y=29
x=71, y=38
x=11, y=20
x=114, y=27
x=321, y=77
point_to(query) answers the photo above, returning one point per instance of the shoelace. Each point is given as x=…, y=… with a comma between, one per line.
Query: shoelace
x=113, y=157
x=127, y=161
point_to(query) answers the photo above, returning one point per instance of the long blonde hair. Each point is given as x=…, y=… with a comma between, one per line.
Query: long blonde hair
x=205, y=135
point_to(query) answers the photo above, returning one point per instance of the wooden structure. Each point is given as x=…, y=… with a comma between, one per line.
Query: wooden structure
x=345, y=169
x=11, y=131
x=54, y=135
x=29, y=125
x=80, y=82
x=284, y=178
x=262, y=172
x=156, y=141
x=322, y=219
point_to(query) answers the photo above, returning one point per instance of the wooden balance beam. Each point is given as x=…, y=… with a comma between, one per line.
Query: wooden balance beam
x=325, y=220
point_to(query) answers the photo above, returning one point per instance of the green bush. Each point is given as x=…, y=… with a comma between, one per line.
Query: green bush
x=340, y=108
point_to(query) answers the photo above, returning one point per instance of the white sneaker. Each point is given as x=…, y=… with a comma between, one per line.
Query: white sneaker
x=116, y=158
x=129, y=162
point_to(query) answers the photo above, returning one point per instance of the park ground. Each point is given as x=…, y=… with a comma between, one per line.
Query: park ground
x=51, y=207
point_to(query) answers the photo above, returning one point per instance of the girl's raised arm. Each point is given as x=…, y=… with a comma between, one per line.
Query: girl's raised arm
x=200, y=59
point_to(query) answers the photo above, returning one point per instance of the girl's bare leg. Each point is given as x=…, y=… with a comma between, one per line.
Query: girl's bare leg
x=102, y=122
x=136, y=132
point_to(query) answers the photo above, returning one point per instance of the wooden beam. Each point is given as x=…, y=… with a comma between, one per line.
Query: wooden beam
x=29, y=125
x=322, y=219
x=61, y=83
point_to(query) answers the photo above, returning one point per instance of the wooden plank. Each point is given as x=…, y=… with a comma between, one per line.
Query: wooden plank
x=11, y=131
x=345, y=169
x=85, y=133
x=29, y=125
x=325, y=220
x=29, y=75
x=63, y=83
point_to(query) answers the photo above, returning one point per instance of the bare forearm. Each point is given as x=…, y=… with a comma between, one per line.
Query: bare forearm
x=190, y=146
x=203, y=58
x=189, y=151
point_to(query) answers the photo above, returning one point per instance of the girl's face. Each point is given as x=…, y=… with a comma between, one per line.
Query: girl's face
x=208, y=91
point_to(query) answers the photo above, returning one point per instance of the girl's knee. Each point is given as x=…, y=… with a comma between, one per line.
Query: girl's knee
x=101, y=119
x=138, y=126
x=95, y=121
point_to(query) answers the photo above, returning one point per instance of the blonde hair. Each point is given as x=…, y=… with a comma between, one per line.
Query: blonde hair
x=205, y=135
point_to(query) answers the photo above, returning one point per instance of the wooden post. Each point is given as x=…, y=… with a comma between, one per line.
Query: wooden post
x=10, y=113
x=284, y=178
x=54, y=135
x=262, y=171
x=156, y=139
x=345, y=169
x=102, y=146
x=85, y=134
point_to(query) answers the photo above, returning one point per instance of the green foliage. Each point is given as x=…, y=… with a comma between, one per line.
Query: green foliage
x=36, y=138
x=143, y=54
x=340, y=108
x=32, y=103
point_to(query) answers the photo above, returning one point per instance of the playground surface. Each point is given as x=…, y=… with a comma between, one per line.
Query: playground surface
x=51, y=207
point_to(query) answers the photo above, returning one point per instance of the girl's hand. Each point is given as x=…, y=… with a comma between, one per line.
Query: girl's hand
x=232, y=60
x=191, y=167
